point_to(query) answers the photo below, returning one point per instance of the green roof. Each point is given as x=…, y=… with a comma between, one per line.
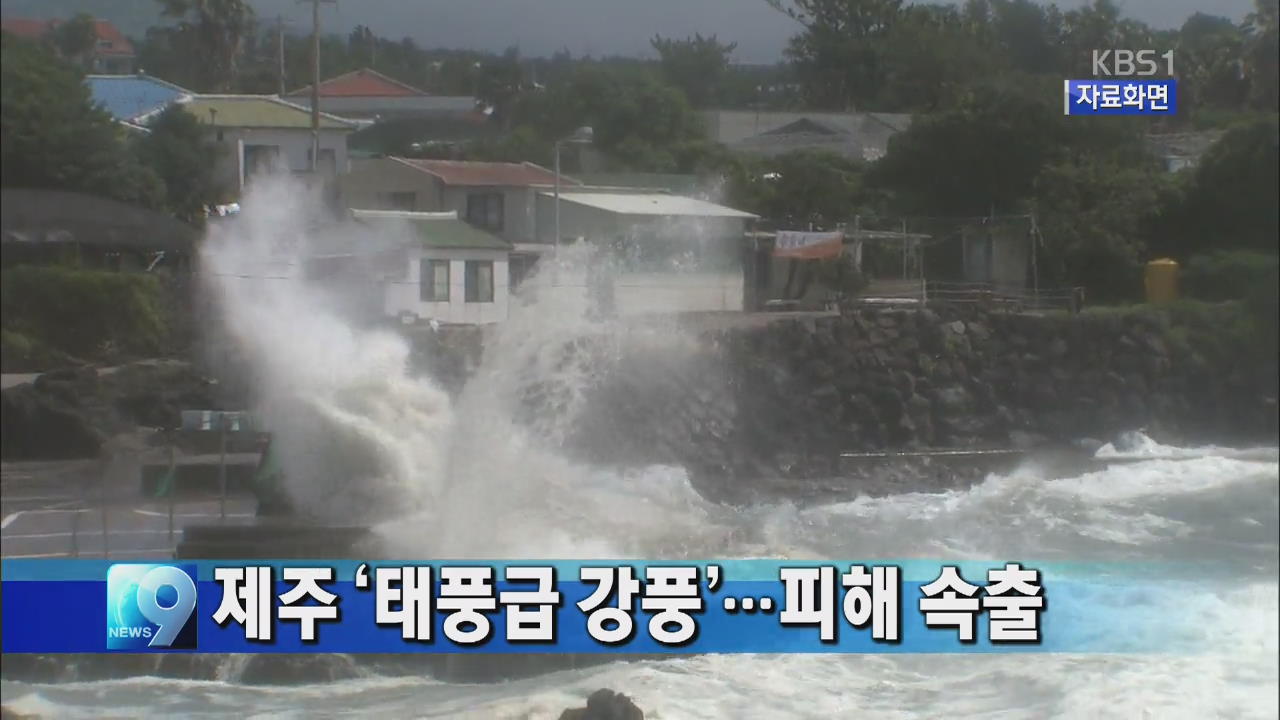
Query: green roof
x=449, y=233
x=258, y=111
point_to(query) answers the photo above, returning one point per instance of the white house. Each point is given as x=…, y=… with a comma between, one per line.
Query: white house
x=259, y=132
x=497, y=197
x=663, y=253
x=441, y=268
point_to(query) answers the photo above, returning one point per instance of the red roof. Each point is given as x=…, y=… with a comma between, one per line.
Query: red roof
x=116, y=42
x=25, y=27
x=362, y=83
x=108, y=33
x=462, y=172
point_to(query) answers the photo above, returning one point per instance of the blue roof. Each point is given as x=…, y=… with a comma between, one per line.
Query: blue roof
x=128, y=96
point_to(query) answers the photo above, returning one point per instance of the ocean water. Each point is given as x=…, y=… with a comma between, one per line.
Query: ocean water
x=1218, y=510
x=471, y=477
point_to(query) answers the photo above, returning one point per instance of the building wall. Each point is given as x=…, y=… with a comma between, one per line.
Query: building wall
x=403, y=291
x=294, y=144
x=645, y=292
x=369, y=182
x=518, y=220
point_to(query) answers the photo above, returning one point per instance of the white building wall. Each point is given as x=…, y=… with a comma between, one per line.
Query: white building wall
x=650, y=293
x=641, y=293
x=294, y=144
x=403, y=293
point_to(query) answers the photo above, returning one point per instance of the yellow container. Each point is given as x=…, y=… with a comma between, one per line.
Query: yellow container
x=1162, y=281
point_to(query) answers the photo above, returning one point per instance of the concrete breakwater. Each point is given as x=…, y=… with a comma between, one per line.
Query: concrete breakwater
x=788, y=398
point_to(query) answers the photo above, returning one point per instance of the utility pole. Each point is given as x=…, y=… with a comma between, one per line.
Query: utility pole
x=280, y=52
x=315, y=81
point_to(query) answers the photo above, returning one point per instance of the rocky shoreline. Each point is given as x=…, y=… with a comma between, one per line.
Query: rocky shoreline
x=789, y=398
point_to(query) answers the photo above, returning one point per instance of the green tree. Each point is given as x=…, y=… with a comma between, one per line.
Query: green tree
x=697, y=65
x=1093, y=209
x=930, y=58
x=639, y=122
x=213, y=32
x=1229, y=201
x=839, y=54
x=53, y=136
x=798, y=189
x=1209, y=63
x=178, y=149
x=979, y=157
x=499, y=83
x=1261, y=54
x=75, y=39
x=1028, y=34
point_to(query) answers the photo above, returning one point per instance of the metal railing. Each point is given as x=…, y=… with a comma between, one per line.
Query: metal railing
x=1006, y=298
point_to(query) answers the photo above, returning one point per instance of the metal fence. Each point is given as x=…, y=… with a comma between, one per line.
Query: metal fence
x=136, y=499
x=1005, y=298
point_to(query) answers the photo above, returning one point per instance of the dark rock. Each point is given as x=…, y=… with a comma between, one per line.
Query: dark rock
x=41, y=426
x=905, y=382
x=605, y=704
x=297, y=669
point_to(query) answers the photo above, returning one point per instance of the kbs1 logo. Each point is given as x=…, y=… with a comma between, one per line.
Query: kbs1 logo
x=1131, y=63
x=151, y=607
x=1125, y=82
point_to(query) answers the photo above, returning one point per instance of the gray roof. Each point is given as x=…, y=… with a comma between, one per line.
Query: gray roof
x=655, y=204
x=1190, y=145
x=31, y=216
x=857, y=135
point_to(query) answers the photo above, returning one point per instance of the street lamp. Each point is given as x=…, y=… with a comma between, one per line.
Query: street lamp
x=581, y=136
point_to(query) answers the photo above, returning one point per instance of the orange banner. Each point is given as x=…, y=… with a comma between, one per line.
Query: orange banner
x=808, y=245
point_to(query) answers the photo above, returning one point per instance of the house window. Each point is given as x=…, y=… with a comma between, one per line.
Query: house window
x=433, y=283
x=397, y=201
x=479, y=281
x=484, y=210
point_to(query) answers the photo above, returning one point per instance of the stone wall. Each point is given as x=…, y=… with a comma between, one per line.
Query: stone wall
x=788, y=397
x=965, y=378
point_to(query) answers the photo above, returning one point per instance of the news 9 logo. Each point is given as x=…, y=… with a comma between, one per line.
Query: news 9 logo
x=151, y=607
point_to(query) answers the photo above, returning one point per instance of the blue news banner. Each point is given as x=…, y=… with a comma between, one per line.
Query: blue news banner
x=749, y=606
x=1119, y=97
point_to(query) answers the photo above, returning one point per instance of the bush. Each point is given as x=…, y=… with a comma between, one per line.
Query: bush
x=90, y=314
x=1230, y=275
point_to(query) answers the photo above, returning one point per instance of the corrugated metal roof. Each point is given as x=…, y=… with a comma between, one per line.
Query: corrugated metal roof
x=259, y=111
x=437, y=230
x=127, y=97
x=660, y=204
x=361, y=83
x=488, y=174
x=652, y=181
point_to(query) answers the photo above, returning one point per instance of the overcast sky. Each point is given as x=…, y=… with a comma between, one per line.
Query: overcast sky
x=541, y=27
x=624, y=27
